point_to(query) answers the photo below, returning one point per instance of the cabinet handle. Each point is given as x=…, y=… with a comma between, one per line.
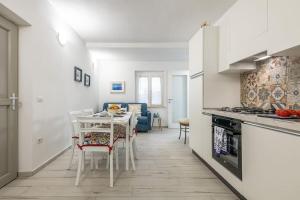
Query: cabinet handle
x=274, y=129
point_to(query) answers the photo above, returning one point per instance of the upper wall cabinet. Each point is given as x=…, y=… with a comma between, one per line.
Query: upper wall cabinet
x=203, y=50
x=284, y=29
x=196, y=53
x=248, y=28
x=224, y=43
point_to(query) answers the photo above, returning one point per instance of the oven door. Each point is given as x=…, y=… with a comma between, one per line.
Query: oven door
x=228, y=151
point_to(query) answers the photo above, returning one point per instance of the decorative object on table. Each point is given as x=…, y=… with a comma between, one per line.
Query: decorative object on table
x=114, y=105
x=184, y=124
x=114, y=108
x=87, y=80
x=77, y=74
x=118, y=87
x=144, y=120
x=157, y=117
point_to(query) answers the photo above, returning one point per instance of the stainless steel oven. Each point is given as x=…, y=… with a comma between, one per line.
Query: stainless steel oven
x=227, y=143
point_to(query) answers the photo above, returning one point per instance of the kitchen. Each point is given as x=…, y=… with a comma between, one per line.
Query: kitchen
x=244, y=73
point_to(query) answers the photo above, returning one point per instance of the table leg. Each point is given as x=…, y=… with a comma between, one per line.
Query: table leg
x=127, y=146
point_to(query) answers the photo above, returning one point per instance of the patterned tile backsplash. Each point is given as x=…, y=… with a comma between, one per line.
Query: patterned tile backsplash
x=276, y=80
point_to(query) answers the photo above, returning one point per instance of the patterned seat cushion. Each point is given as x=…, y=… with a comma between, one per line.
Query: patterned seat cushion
x=103, y=138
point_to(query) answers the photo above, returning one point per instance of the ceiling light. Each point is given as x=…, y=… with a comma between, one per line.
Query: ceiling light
x=262, y=58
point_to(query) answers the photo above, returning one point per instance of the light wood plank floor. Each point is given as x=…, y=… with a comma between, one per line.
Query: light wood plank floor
x=166, y=170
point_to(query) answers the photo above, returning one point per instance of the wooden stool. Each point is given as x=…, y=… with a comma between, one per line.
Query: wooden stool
x=184, y=124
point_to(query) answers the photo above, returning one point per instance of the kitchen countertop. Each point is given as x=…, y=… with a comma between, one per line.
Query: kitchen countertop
x=286, y=124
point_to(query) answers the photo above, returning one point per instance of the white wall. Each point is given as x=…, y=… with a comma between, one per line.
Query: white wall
x=46, y=72
x=125, y=71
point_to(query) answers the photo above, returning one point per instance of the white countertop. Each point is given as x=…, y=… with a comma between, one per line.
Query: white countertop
x=291, y=125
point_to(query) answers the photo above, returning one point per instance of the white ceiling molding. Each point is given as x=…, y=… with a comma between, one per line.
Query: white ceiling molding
x=157, y=45
x=8, y=14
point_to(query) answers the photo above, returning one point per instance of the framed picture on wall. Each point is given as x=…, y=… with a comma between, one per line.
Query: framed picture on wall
x=118, y=87
x=87, y=80
x=77, y=74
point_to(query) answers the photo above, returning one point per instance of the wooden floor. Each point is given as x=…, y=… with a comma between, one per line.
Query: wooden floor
x=166, y=170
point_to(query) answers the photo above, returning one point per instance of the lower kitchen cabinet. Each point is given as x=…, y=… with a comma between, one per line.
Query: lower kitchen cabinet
x=205, y=140
x=271, y=163
x=200, y=136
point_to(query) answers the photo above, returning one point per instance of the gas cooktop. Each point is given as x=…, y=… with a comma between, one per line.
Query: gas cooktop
x=247, y=110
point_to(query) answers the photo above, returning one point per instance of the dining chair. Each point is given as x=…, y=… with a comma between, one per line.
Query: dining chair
x=102, y=139
x=132, y=136
x=88, y=111
x=75, y=132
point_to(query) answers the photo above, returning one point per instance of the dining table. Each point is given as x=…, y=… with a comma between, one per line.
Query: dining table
x=122, y=119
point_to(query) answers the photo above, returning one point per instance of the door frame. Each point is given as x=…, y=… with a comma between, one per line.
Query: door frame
x=171, y=73
x=12, y=114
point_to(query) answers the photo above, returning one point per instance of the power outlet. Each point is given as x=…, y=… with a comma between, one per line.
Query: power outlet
x=40, y=140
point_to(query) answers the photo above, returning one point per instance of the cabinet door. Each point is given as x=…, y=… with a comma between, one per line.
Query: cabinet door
x=196, y=53
x=284, y=29
x=270, y=164
x=195, y=111
x=205, y=138
x=224, y=43
x=248, y=28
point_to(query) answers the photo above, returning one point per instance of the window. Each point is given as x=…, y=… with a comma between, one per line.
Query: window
x=149, y=88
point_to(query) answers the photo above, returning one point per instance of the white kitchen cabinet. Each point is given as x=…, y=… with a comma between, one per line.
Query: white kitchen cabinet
x=195, y=111
x=284, y=29
x=205, y=135
x=248, y=29
x=196, y=53
x=271, y=162
x=203, y=50
x=207, y=57
x=224, y=43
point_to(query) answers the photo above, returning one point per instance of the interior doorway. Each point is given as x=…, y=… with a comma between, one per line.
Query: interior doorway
x=177, y=97
x=8, y=101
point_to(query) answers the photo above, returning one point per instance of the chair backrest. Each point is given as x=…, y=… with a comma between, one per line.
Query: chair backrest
x=88, y=111
x=90, y=124
x=133, y=122
x=73, y=118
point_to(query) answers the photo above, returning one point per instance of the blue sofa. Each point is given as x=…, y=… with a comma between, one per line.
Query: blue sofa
x=144, y=121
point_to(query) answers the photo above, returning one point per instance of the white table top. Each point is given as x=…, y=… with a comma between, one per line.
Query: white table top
x=120, y=119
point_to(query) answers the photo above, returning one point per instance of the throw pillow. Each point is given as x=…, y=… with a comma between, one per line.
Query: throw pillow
x=137, y=108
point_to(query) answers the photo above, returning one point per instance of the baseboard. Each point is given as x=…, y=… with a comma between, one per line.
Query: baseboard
x=39, y=168
x=239, y=195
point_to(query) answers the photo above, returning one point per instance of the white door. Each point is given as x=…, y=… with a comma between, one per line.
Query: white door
x=8, y=105
x=177, y=97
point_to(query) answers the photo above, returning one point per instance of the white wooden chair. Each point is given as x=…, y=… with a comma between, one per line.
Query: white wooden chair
x=101, y=140
x=132, y=136
x=75, y=132
x=88, y=111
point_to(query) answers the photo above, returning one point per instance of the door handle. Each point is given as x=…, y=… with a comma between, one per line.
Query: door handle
x=13, y=100
x=170, y=100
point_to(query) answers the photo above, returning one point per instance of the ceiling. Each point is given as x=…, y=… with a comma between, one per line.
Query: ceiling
x=140, y=54
x=133, y=21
